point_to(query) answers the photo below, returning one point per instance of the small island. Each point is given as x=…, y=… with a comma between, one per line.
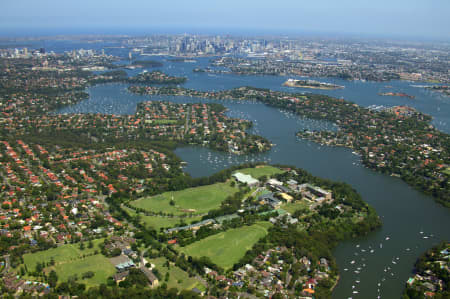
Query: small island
x=397, y=94
x=311, y=84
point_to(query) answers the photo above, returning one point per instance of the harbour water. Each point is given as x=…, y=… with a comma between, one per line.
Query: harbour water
x=376, y=265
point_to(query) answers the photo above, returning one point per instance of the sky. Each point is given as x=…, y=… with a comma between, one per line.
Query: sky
x=402, y=18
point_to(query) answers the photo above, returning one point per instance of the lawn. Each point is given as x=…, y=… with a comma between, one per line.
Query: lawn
x=197, y=200
x=226, y=248
x=178, y=278
x=62, y=253
x=260, y=171
x=157, y=222
x=292, y=207
x=98, y=264
x=69, y=261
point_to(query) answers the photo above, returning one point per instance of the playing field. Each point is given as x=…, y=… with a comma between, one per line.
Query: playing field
x=226, y=248
x=157, y=221
x=196, y=200
x=98, y=264
x=69, y=261
x=62, y=253
x=260, y=171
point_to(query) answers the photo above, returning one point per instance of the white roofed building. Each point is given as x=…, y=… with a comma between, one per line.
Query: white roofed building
x=245, y=178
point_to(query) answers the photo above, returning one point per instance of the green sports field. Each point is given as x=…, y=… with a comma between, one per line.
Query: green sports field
x=98, y=264
x=196, y=200
x=260, y=171
x=226, y=248
x=69, y=261
x=60, y=254
x=157, y=221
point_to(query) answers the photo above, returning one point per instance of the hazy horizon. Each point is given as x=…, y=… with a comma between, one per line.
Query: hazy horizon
x=401, y=18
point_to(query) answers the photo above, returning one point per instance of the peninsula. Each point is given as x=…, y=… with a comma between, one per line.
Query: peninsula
x=399, y=142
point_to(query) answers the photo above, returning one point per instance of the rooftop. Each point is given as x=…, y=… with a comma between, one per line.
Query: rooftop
x=245, y=178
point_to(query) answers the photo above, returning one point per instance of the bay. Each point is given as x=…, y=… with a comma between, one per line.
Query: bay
x=408, y=215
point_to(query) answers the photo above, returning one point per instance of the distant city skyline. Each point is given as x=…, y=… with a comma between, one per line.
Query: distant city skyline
x=399, y=18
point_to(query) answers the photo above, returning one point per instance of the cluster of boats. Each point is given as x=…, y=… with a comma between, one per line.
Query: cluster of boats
x=358, y=266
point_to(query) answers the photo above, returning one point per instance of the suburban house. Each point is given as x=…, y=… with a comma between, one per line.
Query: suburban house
x=152, y=279
x=121, y=276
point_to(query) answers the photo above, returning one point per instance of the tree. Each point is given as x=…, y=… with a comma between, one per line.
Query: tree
x=52, y=279
x=88, y=274
x=116, y=252
x=39, y=267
